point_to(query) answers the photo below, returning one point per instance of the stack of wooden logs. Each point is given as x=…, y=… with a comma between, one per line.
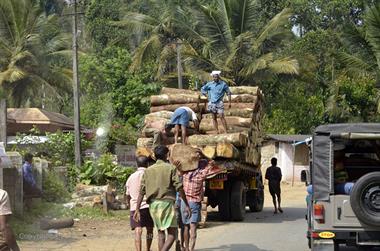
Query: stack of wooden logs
x=244, y=137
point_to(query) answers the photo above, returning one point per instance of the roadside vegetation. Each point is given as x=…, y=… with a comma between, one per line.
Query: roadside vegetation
x=316, y=61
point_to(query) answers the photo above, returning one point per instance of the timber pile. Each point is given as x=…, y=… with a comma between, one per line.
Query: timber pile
x=239, y=146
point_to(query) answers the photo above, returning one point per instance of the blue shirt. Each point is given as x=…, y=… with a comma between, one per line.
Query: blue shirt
x=28, y=174
x=215, y=91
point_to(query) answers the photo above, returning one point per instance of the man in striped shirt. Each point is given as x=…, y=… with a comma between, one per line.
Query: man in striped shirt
x=193, y=187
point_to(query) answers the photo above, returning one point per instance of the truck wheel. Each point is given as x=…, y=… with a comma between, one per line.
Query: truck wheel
x=224, y=202
x=238, y=201
x=365, y=199
x=258, y=201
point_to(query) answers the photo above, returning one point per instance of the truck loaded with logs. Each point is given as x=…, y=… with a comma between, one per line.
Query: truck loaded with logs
x=237, y=152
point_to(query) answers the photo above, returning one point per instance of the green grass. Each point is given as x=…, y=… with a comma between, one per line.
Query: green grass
x=29, y=222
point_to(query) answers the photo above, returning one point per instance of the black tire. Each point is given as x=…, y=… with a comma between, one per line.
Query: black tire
x=238, y=201
x=365, y=199
x=257, y=204
x=224, y=202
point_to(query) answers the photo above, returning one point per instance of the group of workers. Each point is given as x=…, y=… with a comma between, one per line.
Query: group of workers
x=180, y=120
x=162, y=196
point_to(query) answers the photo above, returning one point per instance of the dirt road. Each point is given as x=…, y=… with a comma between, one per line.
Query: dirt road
x=260, y=231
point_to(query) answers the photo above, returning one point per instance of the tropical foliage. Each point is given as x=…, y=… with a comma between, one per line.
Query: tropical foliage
x=316, y=61
x=34, y=60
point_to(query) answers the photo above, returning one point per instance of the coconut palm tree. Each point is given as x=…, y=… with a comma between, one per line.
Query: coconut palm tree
x=156, y=34
x=362, y=44
x=362, y=51
x=218, y=34
x=229, y=36
x=33, y=53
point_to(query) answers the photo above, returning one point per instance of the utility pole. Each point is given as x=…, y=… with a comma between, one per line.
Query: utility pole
x=3, y=121
x=179, y=64
x=78, y=160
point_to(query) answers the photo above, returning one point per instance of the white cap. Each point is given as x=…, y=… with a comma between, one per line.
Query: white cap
x=215, y=73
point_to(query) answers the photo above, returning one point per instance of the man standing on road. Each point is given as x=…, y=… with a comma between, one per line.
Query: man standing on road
x=193, y=186
x=132, y=192
x=181, y=118
x=274, y=176
x=215, y=91
x=160, y=183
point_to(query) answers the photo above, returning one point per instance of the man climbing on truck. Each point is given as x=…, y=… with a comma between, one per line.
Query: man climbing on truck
x=215, y=91
x=180, y=120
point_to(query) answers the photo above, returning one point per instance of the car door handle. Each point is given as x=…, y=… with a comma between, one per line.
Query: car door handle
x=339, y=212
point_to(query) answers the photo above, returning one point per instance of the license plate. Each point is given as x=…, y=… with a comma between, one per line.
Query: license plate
x=216, y=184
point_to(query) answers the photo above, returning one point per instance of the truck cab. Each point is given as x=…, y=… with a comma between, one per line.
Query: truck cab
x=343, y=201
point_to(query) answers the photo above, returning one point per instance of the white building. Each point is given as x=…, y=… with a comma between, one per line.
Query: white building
x=291, y=152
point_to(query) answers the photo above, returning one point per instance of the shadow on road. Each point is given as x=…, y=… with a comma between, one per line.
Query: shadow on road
x=234, y=247
x=266, y=216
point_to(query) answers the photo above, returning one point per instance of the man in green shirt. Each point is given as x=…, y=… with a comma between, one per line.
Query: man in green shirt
x=159, y=184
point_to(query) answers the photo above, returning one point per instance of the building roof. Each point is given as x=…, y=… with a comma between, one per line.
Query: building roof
x=38, y=116
x=287, y=138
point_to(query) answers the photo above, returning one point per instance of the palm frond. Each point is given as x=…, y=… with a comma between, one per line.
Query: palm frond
x=167, y=55
x=285, y=65
x=145, y=50
x=354, y=63
x=257, y=64
x=276, y=23
x=373, y=30
x=136, y=22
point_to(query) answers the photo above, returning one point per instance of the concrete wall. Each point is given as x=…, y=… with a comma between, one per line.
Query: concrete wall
x=268, y=151
x=290, y=162
x=11, y=179
x=13, y=182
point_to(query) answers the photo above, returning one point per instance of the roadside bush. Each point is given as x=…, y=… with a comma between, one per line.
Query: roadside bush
x=53, y=189
x=104, y=170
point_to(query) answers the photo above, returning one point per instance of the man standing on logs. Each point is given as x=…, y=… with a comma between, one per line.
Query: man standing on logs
x=181, y=118
x=160, y=183
x=215, y=91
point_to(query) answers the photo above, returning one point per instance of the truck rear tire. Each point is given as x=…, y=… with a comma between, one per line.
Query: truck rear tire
x=365, y=199
x=238, y=201
x=224, y=202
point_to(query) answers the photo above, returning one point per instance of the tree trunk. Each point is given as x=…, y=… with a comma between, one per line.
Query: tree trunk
x=209, y=151
x=155, y=122
x=168, y=99
x=241, y=98
x=239, y=106
x=194, y=106
x=148, y=142
x=160, y=114
x=227, y=150
x=252, y=155
x=252, y=90
x=207, y=124
x=188, y=156
x=243, y=113
x=237, y=139
x=144, y=151
x=167, y=90
x=46, y=224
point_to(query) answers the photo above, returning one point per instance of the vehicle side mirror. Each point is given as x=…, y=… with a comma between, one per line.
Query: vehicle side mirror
x=303, y=176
